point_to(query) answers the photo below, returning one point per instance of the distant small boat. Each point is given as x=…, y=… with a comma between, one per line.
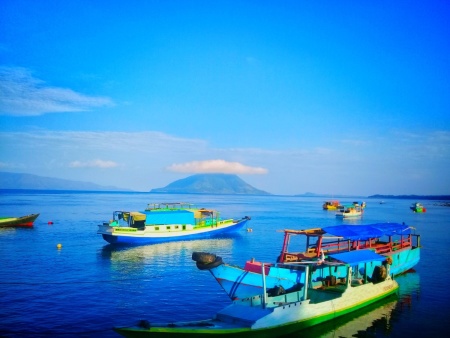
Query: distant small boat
x=24, y=221
x=418, y=207
x=164, y=222
x=276, y=312
x=351, y=210
x=331, y=205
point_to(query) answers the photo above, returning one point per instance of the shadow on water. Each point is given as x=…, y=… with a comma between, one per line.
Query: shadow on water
x=374, y=320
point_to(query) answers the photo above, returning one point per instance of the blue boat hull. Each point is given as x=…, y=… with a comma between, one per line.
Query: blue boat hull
x=239, y=283
x=213, y=232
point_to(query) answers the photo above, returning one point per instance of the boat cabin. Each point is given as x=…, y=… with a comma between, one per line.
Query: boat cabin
x=167, y=217
x=132, y=219
x=382, y=238
x=331, y=205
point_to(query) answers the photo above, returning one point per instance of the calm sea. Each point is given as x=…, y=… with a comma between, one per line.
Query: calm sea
x=87, y=287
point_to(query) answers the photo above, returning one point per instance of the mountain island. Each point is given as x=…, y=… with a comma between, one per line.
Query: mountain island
x=210, y=184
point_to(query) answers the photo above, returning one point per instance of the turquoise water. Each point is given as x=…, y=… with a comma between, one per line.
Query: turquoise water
x=88, y=286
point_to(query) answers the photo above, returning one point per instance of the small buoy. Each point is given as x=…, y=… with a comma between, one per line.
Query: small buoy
x=50, y=222
x=59, y=246
x=249, y=229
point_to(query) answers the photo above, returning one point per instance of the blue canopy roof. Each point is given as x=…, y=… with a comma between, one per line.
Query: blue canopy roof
x=358, y=256
x=365, y=232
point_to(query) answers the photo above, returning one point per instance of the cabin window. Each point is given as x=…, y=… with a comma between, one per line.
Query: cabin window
x=184, y=227
x=156, y=228
x=168, y=227
x=177, y=227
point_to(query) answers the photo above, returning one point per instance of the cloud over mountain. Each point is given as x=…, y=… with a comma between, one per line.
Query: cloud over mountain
x=216, y=166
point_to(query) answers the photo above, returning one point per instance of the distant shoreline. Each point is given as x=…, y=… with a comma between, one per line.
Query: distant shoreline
x=61, y=191
x=413, y=197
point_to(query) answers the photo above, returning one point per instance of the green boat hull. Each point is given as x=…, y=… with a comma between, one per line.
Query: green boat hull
x=274, y=331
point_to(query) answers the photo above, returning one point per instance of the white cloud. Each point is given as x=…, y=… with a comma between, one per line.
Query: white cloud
x=142, y=162
x=216, y=166
x=23, y=95
x=93, y=164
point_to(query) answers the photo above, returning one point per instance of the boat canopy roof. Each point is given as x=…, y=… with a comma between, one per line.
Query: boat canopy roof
x=365, y=232
x=357, y=256
x=137, y=216
x=349, y=205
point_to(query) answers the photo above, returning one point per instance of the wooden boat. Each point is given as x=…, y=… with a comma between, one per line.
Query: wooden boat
x=351, y=210
x=24, y=221
x=393, y=240
x=331, y=205
x=163, y=222
x=278, y=312
x=418, y=207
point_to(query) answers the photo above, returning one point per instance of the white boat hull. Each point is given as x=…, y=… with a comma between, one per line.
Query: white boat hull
x=148, y=235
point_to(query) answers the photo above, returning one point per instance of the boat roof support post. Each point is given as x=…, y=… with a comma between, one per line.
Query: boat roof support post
x=365, y=273
x=319, y=246
x=285, y=246
x=264, y=286
x=349, y=276
x=306, y=286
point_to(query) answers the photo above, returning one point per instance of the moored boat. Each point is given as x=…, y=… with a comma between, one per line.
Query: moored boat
x=418, y=207
x=331, y=205
x=23, y=221
x=351, y=210
x=393, y=240
x=277, y=312
x=163, y=222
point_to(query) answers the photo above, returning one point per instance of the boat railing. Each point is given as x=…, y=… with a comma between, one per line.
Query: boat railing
x=400, y=244
x=169, y=206
x=272, y=301
x=251, y=301
x=212, y=222
x=383, y=248
x=285, y=299
x=225, y=221
x=345, y=245
x=337, y=246
x=258, y=301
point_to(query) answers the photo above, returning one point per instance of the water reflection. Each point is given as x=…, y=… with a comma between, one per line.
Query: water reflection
x=169, y=253
x=159, y=257
x=375, y=320
x=355, y=220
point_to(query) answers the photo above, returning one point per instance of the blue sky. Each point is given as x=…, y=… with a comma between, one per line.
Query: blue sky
x=330, y=97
